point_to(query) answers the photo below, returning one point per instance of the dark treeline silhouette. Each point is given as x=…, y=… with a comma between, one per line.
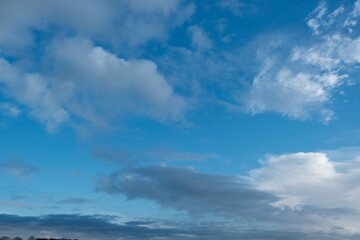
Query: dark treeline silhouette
x=33, y=238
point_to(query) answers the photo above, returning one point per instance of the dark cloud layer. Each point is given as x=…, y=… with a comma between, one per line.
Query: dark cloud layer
x=100, y=227
x=185, y=189
x=203, y=195
x=91, y=227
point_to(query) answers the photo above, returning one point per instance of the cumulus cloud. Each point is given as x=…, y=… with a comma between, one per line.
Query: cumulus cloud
x=113, y=84
x=34, y=91
x=313, y=179
x=310, y=178
x=129, y=22
x=92, y=84
x=64, y=77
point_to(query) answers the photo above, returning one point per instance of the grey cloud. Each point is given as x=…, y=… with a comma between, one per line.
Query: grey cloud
x=123, y=156
x=20, y=197
x=18, y=168
x=74, y=200
x=95, y=227
x=14, y=204
x=101, y=227
x=185, y=189
x=79, y=226
x=230, y=198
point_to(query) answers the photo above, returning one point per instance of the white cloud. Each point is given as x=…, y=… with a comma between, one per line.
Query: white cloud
x=332, y=54
x=92, y=84
x=18, y=20
x=310, y=179
x=199, y=38
x=295, y=94
x=114, y=84
x=35, y=92
x=313, y=179
x=60, y=79
x=316, y=17
x=235, y=6
x=9, y=109
x=352, y=20
x=301, y=80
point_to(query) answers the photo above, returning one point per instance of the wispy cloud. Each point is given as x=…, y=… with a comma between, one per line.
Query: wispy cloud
x=237, y=7
x=9, y=110
x=300, y=79
x=18, y=168
x=199, y=38
x=74, y=200
x=123, y=156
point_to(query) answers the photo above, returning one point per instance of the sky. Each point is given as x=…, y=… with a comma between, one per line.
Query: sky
x=179, y=119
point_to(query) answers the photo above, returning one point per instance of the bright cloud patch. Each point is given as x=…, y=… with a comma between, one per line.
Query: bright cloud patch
x=92, y=84
x=288, y=191
x=310, y=179
x=113, y=85
x=302, y=83
x=49, y=64
x=294, y=94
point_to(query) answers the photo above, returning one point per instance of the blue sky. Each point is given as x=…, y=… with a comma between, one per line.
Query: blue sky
x=169, y=119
